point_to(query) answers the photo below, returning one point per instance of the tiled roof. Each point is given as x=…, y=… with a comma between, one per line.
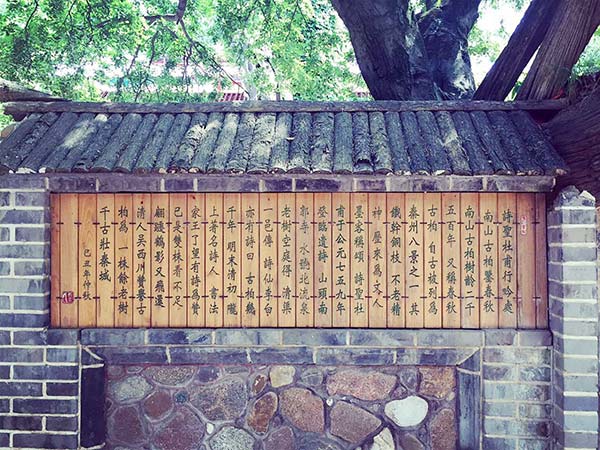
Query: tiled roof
x=361, y=137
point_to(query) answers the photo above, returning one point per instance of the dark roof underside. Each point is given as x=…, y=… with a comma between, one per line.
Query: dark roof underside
x=436, y=142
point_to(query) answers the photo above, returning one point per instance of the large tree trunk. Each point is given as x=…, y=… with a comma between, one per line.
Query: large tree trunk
x=575, y=132
x=389, y=48
x=570, y=31
x=12, y=92
x=445, y=28
x=522, y=45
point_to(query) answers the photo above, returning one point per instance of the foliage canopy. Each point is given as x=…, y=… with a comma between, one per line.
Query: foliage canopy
x=142, y=50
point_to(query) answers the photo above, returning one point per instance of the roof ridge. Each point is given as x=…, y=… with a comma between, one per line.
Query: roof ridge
x=24, y=108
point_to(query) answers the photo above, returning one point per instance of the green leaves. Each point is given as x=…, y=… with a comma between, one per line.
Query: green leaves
x=133, y=50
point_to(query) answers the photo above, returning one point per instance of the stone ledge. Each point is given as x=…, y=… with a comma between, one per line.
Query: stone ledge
x=323, y=337
x=117, y=182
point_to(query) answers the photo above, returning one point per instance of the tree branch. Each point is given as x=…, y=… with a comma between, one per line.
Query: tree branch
x=521, y=46
x=572, y=28
x=176, y=18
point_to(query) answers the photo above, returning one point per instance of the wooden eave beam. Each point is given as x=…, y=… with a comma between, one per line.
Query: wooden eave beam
x=23, y=108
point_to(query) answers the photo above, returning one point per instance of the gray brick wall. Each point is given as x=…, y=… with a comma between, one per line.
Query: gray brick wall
x=574, y=319
x=39, y=369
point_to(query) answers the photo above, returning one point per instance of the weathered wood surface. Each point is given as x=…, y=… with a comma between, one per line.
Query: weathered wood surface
x=521, y=47
x=435, y=260
x=11, y=92
x=283, y=106
x=575, y=133
x=572, y=27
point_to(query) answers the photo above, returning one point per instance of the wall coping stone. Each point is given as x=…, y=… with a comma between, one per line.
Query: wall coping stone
x=187, y=182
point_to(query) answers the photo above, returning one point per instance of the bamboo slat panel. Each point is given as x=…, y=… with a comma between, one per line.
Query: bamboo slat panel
x=105, y=267
x=123, y=260
x=322, y=262
x=87, y=260
x=196, y=225
x=250, y=261
x=415, y=288
x=359, y=250
x=469, y=214
x=304, y=255
x=377, y=261
x=488, y=260
x=159, y=260
x=396, y=293
x=413, y=260
x=451, y=261
x=142, y=266
x=231, y=270
x=507, y=273
x=433, y=251
x=340, y=205
x=214, y=260
x=56, y=289
x=526, y=261
x=178, y=260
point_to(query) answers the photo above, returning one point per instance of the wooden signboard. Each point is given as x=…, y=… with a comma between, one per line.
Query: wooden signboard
x=397, y=260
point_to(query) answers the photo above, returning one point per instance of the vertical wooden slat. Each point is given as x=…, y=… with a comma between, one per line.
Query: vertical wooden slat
x=124, y=260
x=87, y=260
x=142, y=259
x=196, y=263
x=214, y=260
x=340, y=210
x=178, y=261
x=377, y=261
x=160, y=260
x=469, y=206
x=414, y=261
x=232, y=258
x=359, y=263
x=541, y=268
x=396, y=218
x=304, y=255
x=69, y=258
x=432, y=249
x=286, y=205
x=507, y=270
x=55, y=286
x=488, y=260
x=105, y=236
x=451, y=257
x=526, y=260
x=322, y=261
x=250, y=261
x=268, y=259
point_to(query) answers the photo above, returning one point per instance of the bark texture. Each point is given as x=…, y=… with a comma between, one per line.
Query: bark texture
x=445, y=28
x=403, y=56
x=521, y=47
x=575, y=133
x=12, y=92
x=570, y=31
x=389, y=48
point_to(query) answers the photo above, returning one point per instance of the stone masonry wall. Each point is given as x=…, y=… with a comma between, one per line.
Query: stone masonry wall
x=503, y=375
x=510, y=373
x=572, y=271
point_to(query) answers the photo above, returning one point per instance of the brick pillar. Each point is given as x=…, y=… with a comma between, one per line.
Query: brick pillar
x=39, y=368
x=572, y=273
